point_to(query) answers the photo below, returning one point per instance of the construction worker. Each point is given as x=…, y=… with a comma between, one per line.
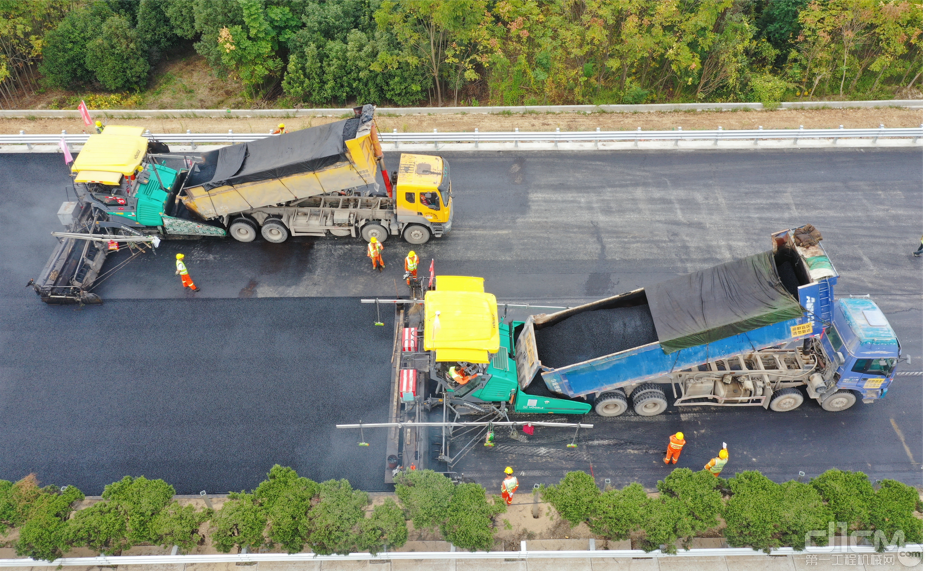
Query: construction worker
x=510, y=485
x=459, y=377
x=921, y=247
x=182, y=272
x=716, y=464
x=674, y=448
x=99, y=127
x=412, y=265
x=374, y=252
x=280, y=130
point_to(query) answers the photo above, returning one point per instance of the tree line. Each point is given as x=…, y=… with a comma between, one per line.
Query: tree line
x=292, y=513
x=500, y=52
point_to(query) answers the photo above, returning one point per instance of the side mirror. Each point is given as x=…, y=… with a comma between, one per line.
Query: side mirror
x=840, y=356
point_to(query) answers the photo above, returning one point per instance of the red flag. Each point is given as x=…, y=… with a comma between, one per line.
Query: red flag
x=85, y=114
x=63, y=145
x=431, y=273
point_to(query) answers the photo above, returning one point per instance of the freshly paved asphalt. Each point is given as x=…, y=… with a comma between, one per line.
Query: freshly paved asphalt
x=209, y=393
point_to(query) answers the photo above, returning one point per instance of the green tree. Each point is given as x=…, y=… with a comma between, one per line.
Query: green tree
x=615, y=514
x=849, y=495
x=752, y=512
x=117, y=56
x=23, y=26
x=664, y=523
x=573, y=497
x=177, y=525
x=385, y=528
x=210, y=17
x=469, y=520
x=65, y=48
x=699, y=495
x=156, y=31
x=800, y=511
x=43, y=533
x=439, y=33
x=425, y=495
x=101, y=527
x=779, y=26
x=8, y=507
x=240, y=523
x=180, y=14
x=286, y=497
x=334, y=519
x=893, y=511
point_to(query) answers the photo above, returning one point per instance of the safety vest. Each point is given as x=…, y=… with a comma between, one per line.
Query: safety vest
x=716, y=468
x=373, y=250
x=412, y=263
x=510, y=484
x=181, y=268
x=676, y=444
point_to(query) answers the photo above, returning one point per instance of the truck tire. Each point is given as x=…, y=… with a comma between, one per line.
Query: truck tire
x=841, y=400
x=610, y=404
x=243, y=230
x=416, y=234
x=645, y=388
x=275, y=231
x=374, y=230
x=785, y=400
x=650, y=403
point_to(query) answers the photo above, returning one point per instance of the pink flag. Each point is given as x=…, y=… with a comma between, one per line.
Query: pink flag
x=431, y=273
x=85, y=114
x=63, y=145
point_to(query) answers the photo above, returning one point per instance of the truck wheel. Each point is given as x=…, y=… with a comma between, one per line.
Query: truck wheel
x=243, y=230
x=416, y=234
x=785, y=400
x=841, y=400
x=275, y=231
x=610, y=404
x=645, y=388
x=374, y=230
x=650, y=403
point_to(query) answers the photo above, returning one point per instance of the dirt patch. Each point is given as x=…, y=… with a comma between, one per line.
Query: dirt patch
x=658, y=121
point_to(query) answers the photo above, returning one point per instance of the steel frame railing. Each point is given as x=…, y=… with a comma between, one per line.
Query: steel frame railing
x=523, y=554
x=476, y=137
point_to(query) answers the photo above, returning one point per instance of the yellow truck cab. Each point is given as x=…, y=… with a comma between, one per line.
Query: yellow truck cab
x=423, y=189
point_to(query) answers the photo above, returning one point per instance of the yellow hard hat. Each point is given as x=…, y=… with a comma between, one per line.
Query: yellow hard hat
x=373, y=239
x=508, y=470
x=723, y=454
x=679, y=436
x=99, y=124
x=281, y=125
x=180, y=256
x=411, y=254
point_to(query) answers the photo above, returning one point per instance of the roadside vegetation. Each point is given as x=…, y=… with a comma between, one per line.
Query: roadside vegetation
x=290, y=513
x=285, y=53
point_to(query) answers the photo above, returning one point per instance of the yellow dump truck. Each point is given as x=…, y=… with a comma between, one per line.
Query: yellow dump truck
x=317, y=181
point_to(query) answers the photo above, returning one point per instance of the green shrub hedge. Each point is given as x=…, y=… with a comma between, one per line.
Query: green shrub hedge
x=292, y=513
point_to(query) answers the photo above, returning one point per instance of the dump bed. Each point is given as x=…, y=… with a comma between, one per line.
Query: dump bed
x=281, y=169
x=727, y=310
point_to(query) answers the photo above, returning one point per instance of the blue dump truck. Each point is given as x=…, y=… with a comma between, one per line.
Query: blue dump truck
x=765, y=330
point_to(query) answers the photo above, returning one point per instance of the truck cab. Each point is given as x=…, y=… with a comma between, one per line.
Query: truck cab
x=865, y=347
x=423, y=192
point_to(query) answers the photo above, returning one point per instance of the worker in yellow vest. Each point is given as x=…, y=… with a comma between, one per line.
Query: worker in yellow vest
x=280, y=130
x=374, y=251
x=98, y=126
x=458, y=376
x=716, y=464
x=184, y=275
x=510, y=485
x=412, y=266
x=674, y=448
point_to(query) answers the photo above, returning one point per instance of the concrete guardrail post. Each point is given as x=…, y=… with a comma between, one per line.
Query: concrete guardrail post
x=596, y=140
x=717, y=135
x=759, y=128
x=875, y=139
x=396, y=141
x=677, y=142
x=435, y=131
x=476, y=135
x=835, y=142
x=23, y=134
x=557, y=135
x=517, y=138
x=796, y=140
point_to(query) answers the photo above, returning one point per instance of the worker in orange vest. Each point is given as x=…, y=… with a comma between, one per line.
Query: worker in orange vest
x=459, y=377
x=510, y=485
x=674, y=448
x=374, y=251
x=412, y=265
x=716, y=464
x=280, y=130
x=184, y=275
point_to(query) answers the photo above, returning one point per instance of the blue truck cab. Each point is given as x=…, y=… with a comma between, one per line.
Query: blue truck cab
x=862, y=341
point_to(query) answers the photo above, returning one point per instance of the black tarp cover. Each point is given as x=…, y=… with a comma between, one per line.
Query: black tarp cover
x=274, y=157
x=719, y=302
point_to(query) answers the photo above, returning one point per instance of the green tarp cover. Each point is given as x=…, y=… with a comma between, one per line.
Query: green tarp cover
x=719, y=302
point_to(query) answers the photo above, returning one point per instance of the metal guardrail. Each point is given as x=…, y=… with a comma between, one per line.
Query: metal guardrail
x=336, y=112
x=245, y=558
x=476, y=137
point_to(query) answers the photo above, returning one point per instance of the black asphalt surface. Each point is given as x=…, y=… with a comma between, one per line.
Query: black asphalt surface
x=208, y=393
